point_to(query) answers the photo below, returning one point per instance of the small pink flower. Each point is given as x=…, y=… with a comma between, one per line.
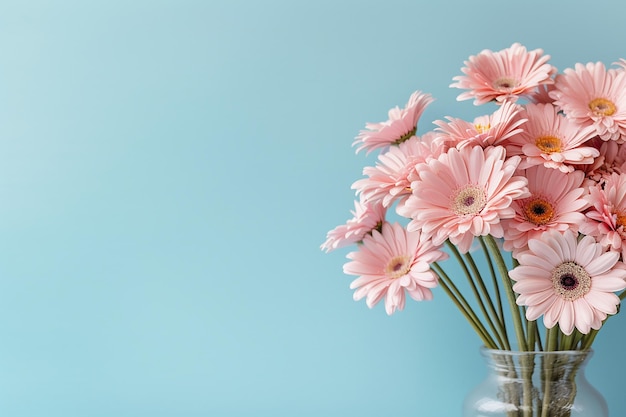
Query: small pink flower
x=569, y=282
x=552, y=140
x=504, y=75
x=612, y=159
x=556, y=202
x=367, y=217
x=393, y=263
x=464, y=193
x=401, y=125
x=494, y=129
x=591, y=95
x=607, y=216
x=390, y=180
x=542, y=94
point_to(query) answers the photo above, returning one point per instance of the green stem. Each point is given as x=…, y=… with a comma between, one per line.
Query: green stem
x=588, y=339
x=473, y=277
x=551, y=344
x=531, y=332
x=504, y=275
x=457, y=298
x=496, y=289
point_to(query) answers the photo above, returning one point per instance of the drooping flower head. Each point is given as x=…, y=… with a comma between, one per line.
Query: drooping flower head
x=504, y=75
x=488, y=130
x=542, y=94
x=607, y=216
x=401, y=125
x=464, y=193
x=551, y=139
x=569, y=282
x=390, y=180
x=391, y=264
x=592, y=95
x=367, y=216
x=556, y=202
x=612, y=159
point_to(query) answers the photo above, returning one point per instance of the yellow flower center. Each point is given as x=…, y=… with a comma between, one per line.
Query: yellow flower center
x=548, y=143
x=570, y=281
x=469, y=200
x=602, y=107
x=620, y=220
x=538, y=210
x=505, y=83
x=397, y=267
x=482, y=128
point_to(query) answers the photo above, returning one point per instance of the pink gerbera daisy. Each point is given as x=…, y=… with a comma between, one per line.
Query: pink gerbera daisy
x=401, y=126
x=391, y=263
x=591, y=95
x=390, y=180
x=612, y=159
x=607, y=216
x=487, y=130
x=464, y=193
x=368, y=216
x=556, y=202
x=569, y=282
x=542, y=94
x=551, y=139
x=504, y=75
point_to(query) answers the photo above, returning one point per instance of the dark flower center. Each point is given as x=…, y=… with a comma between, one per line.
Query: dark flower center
x=538, y=210
x=571, y=281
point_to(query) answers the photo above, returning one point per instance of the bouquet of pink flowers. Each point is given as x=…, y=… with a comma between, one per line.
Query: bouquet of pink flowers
x=539, y=186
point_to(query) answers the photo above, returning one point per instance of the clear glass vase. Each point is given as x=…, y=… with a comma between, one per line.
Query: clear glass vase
x=535, y=384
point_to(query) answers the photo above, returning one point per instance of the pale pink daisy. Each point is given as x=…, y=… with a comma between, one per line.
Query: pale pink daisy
x=464, y=193
x=367, y=216
x=393, y=263
x=504, y=75
x=401, y=125
x=569, y=282
x=607, y=216
x=592, y=95
x=557, y=201
x=493, y=129
x=551, y=139
x=390, y=180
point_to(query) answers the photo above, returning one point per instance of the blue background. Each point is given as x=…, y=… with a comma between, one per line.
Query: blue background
x=168, y=170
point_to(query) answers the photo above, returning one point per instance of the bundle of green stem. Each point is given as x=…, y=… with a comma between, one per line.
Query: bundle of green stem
x=544, y=389
x=489, y=297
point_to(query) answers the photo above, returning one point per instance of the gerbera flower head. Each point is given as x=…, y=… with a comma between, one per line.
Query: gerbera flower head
x=401, y=125
x=542, y=94
x=551, y=139
x=390, y=180
x=392, y=263
x=592, y=95
x=612, y=159
x=557, y=201
x=504, y=75
x=464, y=193
x=367, y=216
x=607, y=215
x=569, y=282
x=488, y=130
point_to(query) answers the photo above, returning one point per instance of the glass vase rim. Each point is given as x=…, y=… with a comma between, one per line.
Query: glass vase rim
x=488, y=351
